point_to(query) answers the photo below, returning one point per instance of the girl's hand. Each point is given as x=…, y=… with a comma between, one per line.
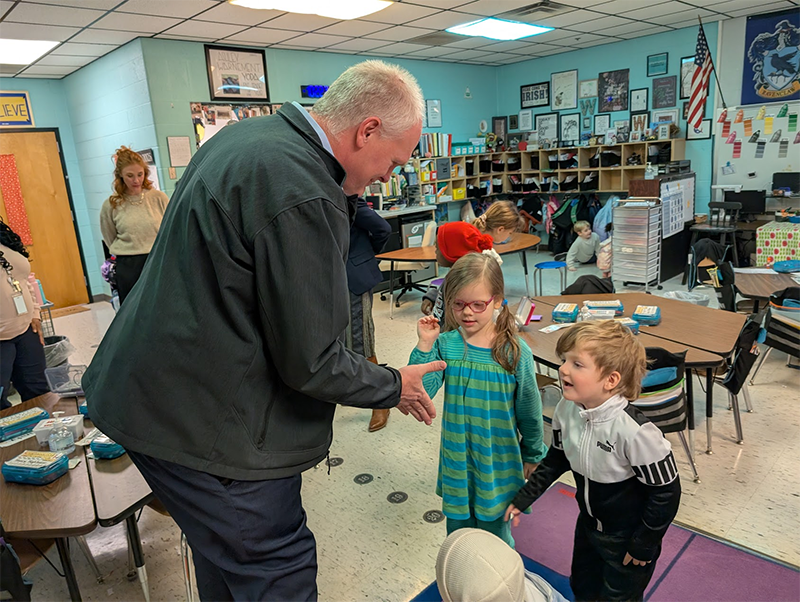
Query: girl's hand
x=528, y=469
x=428, y=332
x=513, y=514
x=426, y=307
x=36, y=326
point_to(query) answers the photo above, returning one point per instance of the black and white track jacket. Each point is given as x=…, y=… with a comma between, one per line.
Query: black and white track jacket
x=624, y=469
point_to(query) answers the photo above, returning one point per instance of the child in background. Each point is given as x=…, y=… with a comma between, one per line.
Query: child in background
x=585, y=247
x=627, y=479
x=491, y=398
x=604, y=254
x=453, y=241
x=500, y=221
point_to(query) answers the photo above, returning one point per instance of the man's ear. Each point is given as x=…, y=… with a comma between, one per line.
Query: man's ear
x=369, y=127
x=612, y=381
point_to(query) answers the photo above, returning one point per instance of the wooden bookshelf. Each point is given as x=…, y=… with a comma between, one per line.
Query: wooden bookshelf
x=495, y=168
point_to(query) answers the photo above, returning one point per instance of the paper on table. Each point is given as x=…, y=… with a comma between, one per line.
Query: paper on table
x=17, y=439
x=754, y=271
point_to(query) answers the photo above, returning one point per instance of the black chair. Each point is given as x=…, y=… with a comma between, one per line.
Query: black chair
x=722, y=219
x=782, y=326
x=735, y=379
x=663, y=397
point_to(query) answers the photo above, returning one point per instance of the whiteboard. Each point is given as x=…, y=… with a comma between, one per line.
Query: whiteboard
x=750, y=172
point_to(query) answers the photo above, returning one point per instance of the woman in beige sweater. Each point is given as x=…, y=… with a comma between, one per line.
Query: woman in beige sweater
x=130, y=218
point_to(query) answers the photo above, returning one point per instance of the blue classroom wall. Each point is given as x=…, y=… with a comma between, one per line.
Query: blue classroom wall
x=109, y=106
x=630, y=54
x=50, y=111
x=177, y=76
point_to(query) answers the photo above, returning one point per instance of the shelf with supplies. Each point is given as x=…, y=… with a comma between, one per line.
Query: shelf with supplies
x=575, y=169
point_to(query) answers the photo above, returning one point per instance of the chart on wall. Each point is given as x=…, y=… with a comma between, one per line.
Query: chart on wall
x=772, y=58
x=210, y=118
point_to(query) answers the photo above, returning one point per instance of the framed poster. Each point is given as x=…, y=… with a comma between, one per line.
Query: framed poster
x=588, y=88
x=657, y=64
x=500, y=126
x=602, y=123
x=564, y=88
x=433, y=113
x=526, y=120
x=547, y=126
x=687, y=71
x=663, y=131
x=771, y=70
x=236, y=73
x=209, y=118
x=587, y=124
x=639, y=100
x=535, y=95
x=703, y=134
x=640, y=121
x=664, y=92
x=612, y=90
x=670, y=116
x=513, y=122
x=16, y=110
x=570, y=128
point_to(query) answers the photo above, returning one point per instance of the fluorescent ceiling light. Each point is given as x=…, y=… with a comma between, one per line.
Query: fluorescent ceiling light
x=23, y=52
x=351, y=9
x=498, y=29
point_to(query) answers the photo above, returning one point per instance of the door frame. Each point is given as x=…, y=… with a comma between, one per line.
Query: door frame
x=69, y=195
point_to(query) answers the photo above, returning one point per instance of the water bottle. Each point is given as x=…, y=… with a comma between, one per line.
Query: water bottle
x=61, y=439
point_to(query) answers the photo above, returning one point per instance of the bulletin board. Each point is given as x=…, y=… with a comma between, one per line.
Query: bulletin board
x=752, y=169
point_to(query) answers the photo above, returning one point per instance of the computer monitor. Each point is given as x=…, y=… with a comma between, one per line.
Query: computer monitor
x=754, y=202
x=786, y=179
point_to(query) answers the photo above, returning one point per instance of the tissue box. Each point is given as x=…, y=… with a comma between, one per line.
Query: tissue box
x=45, y=427
x=632, y=324
x=565, y=312
x=21, y=422
x=649, y=315
x=35, y=467
x=615, y=305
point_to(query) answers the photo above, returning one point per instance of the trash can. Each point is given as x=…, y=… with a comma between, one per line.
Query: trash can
x=57, y=350
x=695, y=298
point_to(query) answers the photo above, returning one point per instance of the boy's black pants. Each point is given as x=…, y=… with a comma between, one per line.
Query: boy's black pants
x=597, y=569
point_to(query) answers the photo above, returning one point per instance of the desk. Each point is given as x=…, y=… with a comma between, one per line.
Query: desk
x=58, y=510
x=519, y=243
x=710, y=330
x=759, y=287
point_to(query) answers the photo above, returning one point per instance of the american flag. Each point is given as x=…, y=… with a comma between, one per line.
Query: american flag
x=700, y=77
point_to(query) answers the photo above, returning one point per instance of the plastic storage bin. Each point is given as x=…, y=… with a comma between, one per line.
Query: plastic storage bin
x=73, y=423
x=35, y=467
x=647, y=315
x=65, y=380
x=565, y=313
x=105, y=448
x=21, y=422
x=615, y=305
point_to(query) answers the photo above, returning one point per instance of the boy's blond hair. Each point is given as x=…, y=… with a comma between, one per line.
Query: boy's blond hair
x=580, y=226
x=613, y=347
x=500, y=214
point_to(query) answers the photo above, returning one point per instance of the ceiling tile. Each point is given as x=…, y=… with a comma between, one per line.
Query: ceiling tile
x=139, y=24
x=317, y=40
x=288, y=46
x=502, y=57
x=166, y=36
x=238, y=15
x=400, y=48
x=645, y=31
x=693, y=22
x=262, y=35
x=583, y=3
x=655, y=10
x=76, y=49
x=96, y=4
x=397, y=14
x=679, y=16
x=758, y=9
x=23, y=76
x=599, y=23
x=615, y=7
x=204, y=29
x=52, y=15
x=727, y=6
x=558, y=36
x=470, y=42
x=440, y=4
x=358, y=45
x=52, y=70
x=297, y=22
x=354, y=28
x=510, y=46
x=65, y=60
x=468, y=54
x=23, y=31
x=631, y=27
x=491, y=8
x=433, y=52
x=563, y=20
x=446, y=19
x=104, y=36
x=397, y=34
x=172, y=8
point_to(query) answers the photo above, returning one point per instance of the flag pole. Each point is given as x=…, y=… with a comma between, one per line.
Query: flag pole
x=713, y=68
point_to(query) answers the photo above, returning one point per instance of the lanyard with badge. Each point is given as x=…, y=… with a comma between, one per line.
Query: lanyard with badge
x=16, y=296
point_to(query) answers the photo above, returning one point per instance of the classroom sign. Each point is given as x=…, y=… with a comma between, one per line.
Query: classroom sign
x=15, y=110
x=772, y=58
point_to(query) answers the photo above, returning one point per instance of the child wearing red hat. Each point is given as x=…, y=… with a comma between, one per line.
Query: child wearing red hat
x=453, y=241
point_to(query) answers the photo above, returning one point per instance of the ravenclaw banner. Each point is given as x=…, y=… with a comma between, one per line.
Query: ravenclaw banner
x=772, y=58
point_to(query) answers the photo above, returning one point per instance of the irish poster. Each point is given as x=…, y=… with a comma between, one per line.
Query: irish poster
x=772, y=58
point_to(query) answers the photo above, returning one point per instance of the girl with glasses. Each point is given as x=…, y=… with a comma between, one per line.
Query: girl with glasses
x=490, y=398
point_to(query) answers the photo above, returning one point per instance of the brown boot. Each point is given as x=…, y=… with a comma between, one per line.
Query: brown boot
x=379, y=417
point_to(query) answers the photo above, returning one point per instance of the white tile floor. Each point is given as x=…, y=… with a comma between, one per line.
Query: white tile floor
x=370, y=549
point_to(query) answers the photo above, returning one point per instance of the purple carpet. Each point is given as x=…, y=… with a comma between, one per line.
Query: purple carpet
x=692, y=567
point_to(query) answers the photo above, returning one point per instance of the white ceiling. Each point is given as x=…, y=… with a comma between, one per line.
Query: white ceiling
x=88, y=29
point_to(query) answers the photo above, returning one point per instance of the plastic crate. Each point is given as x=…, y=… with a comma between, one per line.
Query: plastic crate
x=65, y=380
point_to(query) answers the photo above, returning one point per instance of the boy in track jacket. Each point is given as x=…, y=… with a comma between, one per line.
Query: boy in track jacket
x=627, y=479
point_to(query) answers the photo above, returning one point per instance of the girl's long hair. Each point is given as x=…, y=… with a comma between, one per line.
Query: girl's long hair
x=126, y=157
x=471, y=269
x=500, y=214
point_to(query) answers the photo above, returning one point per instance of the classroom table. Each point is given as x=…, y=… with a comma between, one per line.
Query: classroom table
x=711, y=330
x=106, y=491
x=758, y=285
x=61, y=509
x=519, y=243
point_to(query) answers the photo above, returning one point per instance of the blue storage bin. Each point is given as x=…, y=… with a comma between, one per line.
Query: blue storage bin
x=564, y=313
x=21, y=422
x=616, y=305
x=105, y=448
x=648, y=315
x=35, y=467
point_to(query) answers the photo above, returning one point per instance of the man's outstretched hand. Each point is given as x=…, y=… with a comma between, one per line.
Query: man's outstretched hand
x=413, y=398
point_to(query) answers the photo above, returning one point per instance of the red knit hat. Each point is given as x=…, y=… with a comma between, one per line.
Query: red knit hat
x=456, y=239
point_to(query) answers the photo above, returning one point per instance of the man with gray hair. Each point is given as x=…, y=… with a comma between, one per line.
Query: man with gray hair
x=221, y=373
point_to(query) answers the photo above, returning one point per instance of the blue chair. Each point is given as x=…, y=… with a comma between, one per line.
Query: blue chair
x=557, y=264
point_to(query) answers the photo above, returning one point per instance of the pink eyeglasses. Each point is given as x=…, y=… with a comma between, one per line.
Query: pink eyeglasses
x=477, y=306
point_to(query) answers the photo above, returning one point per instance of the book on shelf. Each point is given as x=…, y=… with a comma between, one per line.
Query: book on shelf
x=437, y=145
